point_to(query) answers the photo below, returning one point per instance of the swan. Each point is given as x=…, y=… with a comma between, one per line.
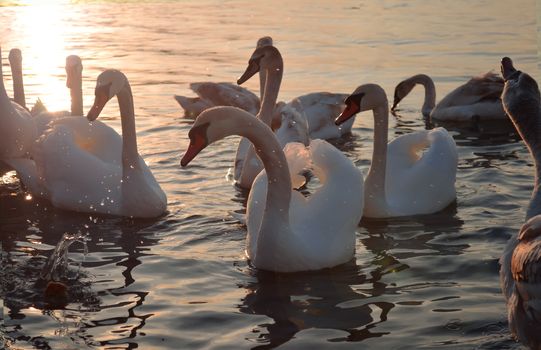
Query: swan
x=287, y=232
x=320, y=110
x=74, y=82
x=74, y=71
x=17, y=129
x=479, y=98
x=403, y=181
x=212, y=94
x=520, y=270
x=87, y=167
x=268, y=61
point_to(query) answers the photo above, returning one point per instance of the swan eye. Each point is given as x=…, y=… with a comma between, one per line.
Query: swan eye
x=198, y=134
x=356, y=98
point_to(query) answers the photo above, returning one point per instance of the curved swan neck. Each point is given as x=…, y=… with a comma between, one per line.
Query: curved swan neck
x=430, y=92
x=375, y=180
x=269, y=151
x=130, y=156
x=273, y=79
x=18, y=86
x=274, y=161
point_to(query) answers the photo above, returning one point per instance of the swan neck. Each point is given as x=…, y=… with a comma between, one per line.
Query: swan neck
x=18, y=86
x=430, y=96
x=130, y=156
x=273, y=80
x=534, y=208
x=262, y=82
x=273, y=158
x=76, y=94
x=274, y=161
x=430, y=92
x=4, y=98
x=376, y=175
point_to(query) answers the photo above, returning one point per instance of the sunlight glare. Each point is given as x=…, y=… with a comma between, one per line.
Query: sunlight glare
x=42, y=24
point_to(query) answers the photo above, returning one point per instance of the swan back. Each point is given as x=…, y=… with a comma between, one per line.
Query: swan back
x=421, y=172
x=524, y=295
x=484, y=87
x=226, y=94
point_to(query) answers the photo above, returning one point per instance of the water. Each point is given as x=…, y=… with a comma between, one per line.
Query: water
x=181, y=281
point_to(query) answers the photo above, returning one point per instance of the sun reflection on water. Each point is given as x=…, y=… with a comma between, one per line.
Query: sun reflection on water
x=44, y=27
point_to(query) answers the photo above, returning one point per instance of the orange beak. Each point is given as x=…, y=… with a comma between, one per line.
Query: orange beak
x=251, y=70
x=99, y=102
x=351, y=109
x=197, y=144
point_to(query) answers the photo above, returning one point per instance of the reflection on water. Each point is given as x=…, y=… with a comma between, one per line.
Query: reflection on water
x=181, y=281
x=324, y=300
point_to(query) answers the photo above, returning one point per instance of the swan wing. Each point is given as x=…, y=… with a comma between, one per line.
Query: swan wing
x=326, y=221
x=227, y=94
x=321, y=109
x=75, y=178
x=192, y=106
x=486, y=87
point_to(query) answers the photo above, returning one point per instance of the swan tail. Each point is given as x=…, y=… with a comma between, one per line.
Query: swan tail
x=38, y=108
x=192, y=106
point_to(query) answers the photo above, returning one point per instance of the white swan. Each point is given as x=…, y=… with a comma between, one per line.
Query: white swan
x=88, y=167
x=402, y=180
x=17, y=129
x=479, y=98
x=74, y=71
x=288, y=232
x=266, y=60
x=210, y=94
x=520, y=272
x=320, y=110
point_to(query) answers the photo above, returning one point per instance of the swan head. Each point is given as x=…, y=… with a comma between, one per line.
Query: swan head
x=402, y=90
x=74, y=70
x=212, y=125
x=109, y=84
x=264, y=41
x=365, y=97
x=15, y=57
x=293, y=127
x=521, y=98
x=266, y=57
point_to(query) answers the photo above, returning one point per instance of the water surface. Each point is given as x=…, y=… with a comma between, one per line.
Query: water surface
x=181, y=281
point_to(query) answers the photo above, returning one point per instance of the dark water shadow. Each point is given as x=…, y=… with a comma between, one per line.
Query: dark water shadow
x=116, y=242
x=325, y=299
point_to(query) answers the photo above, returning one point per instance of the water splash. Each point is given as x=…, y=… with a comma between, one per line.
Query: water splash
x=57, y=267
